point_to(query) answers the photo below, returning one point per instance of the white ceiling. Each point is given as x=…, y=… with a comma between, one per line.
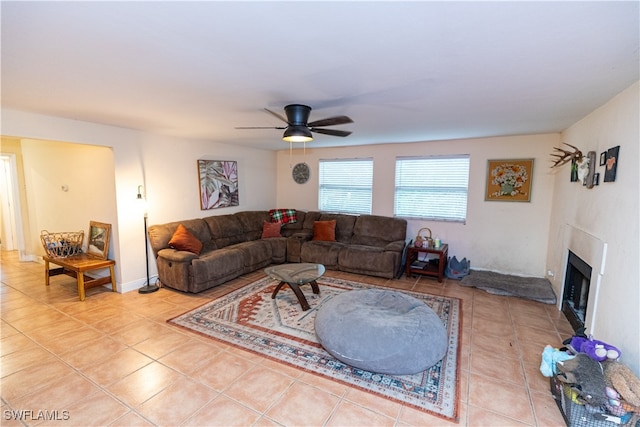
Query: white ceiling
x=403, y=71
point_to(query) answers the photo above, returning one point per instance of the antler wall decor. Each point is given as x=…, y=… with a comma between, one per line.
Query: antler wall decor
x=565, y=156
x=585, y=164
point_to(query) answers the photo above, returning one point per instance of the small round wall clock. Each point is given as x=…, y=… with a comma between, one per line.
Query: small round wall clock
x=300, y=173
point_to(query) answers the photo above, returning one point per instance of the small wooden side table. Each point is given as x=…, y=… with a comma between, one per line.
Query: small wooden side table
x=426, y=268
x=76, y=266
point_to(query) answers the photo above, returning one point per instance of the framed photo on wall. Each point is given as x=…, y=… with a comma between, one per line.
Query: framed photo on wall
x=509, y=180
x=99, y=236
x=611, y=164
x=218, y=183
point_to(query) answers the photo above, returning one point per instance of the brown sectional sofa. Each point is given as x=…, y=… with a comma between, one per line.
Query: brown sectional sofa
x=232, y=246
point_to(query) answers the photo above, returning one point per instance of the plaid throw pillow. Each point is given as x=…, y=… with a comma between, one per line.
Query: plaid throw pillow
x=285, y=216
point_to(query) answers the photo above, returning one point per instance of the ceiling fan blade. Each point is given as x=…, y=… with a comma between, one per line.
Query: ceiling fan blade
x=277, y=115
x=331, y=121
x=260, y=127
x=332, y=132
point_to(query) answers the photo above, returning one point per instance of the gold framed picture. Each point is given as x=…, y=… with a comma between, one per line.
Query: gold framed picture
x=509, y=180
x=99, y=236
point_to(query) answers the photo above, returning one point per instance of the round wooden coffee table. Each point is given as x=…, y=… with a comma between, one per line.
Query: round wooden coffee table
x=296, y=275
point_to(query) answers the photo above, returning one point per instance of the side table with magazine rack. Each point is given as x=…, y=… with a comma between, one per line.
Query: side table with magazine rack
x=427, y=260
x=65, y=250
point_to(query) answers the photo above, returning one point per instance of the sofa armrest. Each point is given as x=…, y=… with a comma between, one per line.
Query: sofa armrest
x=302, y=235
x=176, y=256
x=294, y=246
x=397, y=246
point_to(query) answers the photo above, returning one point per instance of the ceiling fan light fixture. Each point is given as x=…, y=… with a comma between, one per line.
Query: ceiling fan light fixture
x=296, y=133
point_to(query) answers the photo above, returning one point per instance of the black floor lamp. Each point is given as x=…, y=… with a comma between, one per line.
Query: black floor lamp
x=148, y=288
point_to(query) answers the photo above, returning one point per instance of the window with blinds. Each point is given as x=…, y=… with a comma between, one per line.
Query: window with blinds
x=346, y=186
x=433, y=187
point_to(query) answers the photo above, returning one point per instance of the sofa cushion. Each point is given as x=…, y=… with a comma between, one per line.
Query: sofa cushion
x=159, y=235
x=226, y=230
x=321, y=252
x=216, y=265
x=255, y=253
x=278, y=249
x=294, y=227
x=324, y=230
x=376, y=230
x=309, y=218
x=251, y=222
x=369, y=260
x=271, y=229
x=344, y=225
x=183, y=240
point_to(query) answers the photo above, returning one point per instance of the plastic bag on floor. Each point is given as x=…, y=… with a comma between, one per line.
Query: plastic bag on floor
x=457, y=269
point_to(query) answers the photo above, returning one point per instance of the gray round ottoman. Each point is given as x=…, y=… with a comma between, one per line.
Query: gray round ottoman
x=381, y=331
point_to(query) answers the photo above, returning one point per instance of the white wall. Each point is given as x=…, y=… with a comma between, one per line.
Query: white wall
x=87, y=173
x=610, y=213
x=167, y=167
x=508, y=237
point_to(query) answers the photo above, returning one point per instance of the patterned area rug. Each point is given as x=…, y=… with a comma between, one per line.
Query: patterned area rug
x=279, y=329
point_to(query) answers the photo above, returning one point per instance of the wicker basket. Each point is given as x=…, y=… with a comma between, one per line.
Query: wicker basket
x=423, y=241
x=62, y=245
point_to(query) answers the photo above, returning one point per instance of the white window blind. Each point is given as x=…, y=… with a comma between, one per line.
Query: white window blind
x=346, y=185
x=432, y=187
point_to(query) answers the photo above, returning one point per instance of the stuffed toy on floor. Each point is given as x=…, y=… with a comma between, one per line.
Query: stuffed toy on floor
x=550, y=357
x=586, y=377
x=597, y=350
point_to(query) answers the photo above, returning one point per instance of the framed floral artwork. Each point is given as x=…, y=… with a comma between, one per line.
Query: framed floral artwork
x=218, y=183
x=509, y=180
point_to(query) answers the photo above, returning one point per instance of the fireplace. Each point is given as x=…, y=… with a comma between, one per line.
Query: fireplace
x=587, y=273
x=576, y=291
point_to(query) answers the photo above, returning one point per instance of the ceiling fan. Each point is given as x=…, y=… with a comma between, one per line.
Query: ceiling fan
x=299, y=129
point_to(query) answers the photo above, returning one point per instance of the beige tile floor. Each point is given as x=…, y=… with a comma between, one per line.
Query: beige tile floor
x=113, y=360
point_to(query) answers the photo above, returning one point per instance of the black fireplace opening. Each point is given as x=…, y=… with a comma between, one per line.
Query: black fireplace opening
x=576, y=291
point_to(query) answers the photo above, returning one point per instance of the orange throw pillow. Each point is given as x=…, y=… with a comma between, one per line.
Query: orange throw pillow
x=183, y=240
x=324, y=230
x=271, y=229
